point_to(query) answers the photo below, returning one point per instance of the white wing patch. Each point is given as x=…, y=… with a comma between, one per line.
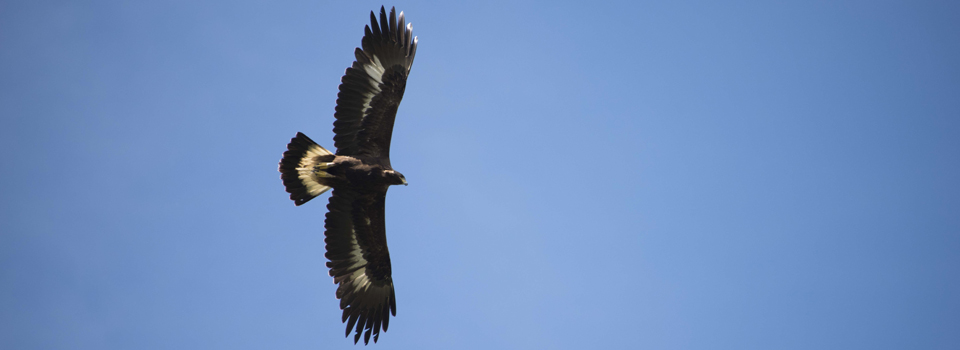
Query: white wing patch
x=357, y=282
x=357, y=267
x=375, y=73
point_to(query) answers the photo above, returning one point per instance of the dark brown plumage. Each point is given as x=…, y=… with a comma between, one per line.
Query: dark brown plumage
x=359, y=174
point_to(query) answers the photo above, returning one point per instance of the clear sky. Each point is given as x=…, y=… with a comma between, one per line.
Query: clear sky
x=583, y=175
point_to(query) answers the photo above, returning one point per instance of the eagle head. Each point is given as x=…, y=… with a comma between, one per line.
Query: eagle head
x=395, y=177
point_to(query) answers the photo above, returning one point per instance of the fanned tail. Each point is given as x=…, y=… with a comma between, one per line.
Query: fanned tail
x=302, y=169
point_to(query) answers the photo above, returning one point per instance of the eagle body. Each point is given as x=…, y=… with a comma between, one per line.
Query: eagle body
x=359, y=173
x=362, y=176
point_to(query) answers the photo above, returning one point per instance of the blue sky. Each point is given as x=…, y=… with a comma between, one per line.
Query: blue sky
x=655, y=175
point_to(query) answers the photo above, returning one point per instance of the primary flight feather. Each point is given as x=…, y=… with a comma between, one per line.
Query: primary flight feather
x=359, y=173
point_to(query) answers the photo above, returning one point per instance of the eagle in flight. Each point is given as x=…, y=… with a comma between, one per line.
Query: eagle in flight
x=359, y=173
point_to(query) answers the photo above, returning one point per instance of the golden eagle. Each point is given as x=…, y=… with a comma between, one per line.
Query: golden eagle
x=359, y=173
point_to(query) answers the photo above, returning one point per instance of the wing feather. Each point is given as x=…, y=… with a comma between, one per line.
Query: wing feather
x=356, y=245
x=371, y=88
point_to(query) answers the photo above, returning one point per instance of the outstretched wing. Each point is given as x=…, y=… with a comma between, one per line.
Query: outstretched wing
x=371, y=89
x=360, y=262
